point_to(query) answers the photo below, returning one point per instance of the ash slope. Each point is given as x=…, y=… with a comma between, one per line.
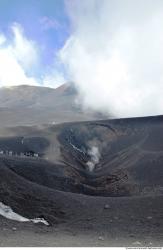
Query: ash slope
x=58, y=186
x=31, y=105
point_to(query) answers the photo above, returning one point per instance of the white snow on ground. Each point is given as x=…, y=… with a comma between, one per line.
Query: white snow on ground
x=76, y=148
x=8, y=213
x=41, y=220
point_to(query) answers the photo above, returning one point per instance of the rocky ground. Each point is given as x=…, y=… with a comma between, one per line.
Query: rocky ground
x=118, y=203
x=125, y=222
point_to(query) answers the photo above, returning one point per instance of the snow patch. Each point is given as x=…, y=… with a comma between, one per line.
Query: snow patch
x=40, y=220
x=8, y=213
x=74, y=147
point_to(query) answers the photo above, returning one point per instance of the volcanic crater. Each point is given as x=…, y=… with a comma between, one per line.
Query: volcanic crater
x=119, y=152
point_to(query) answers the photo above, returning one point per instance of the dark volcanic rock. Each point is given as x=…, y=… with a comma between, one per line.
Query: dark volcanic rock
x=129, y=166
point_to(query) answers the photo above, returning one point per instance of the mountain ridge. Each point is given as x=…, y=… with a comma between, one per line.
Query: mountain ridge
x=34, y=105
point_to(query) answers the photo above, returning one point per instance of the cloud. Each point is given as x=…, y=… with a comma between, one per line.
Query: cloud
x=115, y=55
x=49, y=23
x=2, y=39
x=24, y=50
x=53, y=79
x=17, y=57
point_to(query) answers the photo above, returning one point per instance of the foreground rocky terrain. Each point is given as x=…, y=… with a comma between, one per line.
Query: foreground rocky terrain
x=97, y=182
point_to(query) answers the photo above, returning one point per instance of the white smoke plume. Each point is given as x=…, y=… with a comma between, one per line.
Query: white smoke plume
x=115, y=55
x=94, y=153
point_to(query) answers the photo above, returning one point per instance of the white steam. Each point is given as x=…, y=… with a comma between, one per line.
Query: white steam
x=95, y=157
x=115, y=55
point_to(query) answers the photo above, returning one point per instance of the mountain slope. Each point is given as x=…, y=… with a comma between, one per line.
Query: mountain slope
x=31, y=105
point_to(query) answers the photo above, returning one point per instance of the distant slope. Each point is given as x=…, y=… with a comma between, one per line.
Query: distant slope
x=25, y=96
x=31, y=105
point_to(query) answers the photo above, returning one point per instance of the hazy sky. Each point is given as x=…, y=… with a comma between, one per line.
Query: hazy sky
x=111, y=49
x=44, y=21
x=44, y=25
